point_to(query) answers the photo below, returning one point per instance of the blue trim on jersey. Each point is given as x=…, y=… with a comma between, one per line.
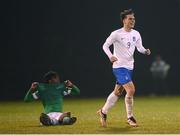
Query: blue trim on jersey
x=122, y=75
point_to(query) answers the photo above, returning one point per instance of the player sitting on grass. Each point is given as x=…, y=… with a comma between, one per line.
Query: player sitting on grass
x=51, y=94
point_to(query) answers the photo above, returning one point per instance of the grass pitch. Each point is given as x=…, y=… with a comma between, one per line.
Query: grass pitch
x=154, y=115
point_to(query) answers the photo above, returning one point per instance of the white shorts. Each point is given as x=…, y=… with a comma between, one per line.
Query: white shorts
x=55, y=115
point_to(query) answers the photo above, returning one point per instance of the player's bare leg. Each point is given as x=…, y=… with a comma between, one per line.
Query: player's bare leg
x=112, y=98
x=130, y=90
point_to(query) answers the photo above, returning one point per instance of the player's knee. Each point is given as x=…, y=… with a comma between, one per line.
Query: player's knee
x=117, y=93
x=131, y=92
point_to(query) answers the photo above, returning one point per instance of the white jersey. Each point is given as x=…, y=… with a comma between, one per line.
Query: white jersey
x=124, y=44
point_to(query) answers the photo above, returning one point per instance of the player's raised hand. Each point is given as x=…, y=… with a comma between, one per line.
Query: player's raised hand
x=34, y=85
x=113, y=59
x=68, y=83
x=147, y=52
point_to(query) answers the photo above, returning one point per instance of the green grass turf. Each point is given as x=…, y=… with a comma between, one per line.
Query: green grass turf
x=154, y=115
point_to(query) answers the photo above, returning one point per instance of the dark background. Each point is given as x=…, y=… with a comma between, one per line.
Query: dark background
x=67, y=36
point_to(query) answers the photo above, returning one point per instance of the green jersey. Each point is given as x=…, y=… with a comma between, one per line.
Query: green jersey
x=51, y=95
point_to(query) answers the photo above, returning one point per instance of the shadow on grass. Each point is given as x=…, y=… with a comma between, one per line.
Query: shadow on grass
x=43, y=126
x=33, y=126
x=115, y=130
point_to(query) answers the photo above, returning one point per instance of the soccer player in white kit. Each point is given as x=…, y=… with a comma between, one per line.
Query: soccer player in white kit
x=124, y=41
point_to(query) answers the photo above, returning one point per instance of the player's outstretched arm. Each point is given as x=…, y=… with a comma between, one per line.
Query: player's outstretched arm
x=32, y=93
x=74, y=89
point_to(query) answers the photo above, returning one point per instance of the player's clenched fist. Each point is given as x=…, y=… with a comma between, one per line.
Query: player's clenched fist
x=147, y=52
x=34, y=85
x=113, y=59
x=68, y=83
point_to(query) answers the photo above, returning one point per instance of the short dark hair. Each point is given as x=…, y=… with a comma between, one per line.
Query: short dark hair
x=49, y=75
x=126, y=12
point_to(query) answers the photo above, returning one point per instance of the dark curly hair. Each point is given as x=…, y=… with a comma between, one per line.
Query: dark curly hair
x=49, y=75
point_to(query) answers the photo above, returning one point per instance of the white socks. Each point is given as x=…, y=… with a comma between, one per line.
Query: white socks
x=129, y=106
x=112, y=98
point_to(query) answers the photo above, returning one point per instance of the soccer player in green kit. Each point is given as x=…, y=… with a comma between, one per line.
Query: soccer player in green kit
x=51, y=94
